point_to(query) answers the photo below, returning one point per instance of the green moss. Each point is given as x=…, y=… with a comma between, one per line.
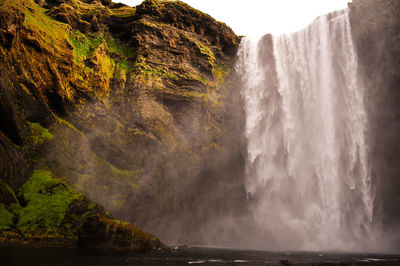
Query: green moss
x=84, y=44
x=201, y=79
x=195, y=94
x=36, y=19
x=220, y=72
x=117, y=47
x=124, y=173
x=156, y=71
x=194, y=76
x=124, y=65
x=107, y=66
x=126, y=226
x=68, y=124
x=48, y=201
x=91, y=206
x=204, y=49
x=128, y=176
x=118, y=171
x=124, y=53
x=6, y=218
x=39, y=133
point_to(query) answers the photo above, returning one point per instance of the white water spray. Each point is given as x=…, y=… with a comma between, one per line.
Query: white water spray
x=306, y=126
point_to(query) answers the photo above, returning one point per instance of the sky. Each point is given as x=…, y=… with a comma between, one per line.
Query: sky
x=259, y=17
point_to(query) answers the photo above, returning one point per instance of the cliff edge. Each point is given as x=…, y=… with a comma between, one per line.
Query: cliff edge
x=133, y=107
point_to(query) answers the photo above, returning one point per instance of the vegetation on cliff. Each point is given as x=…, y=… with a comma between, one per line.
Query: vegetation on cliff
x=133, y=107
x=49, y=212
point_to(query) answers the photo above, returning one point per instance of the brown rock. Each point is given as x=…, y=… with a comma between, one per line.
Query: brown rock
x=104, y=233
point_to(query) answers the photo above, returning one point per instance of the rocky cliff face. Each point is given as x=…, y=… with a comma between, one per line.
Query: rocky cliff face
x=375, y=29
x=134, y=107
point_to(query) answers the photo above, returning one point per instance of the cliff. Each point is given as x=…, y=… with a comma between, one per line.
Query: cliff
x=133, y=107
x=375, y=29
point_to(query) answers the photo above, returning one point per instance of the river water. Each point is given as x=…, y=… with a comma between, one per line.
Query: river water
x=12, y=256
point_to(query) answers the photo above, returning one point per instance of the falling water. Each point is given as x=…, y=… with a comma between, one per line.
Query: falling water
x=307, y=169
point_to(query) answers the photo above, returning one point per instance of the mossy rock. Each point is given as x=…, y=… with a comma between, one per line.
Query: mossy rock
x=47, y=201
x=39, y=133
x=100, y=232
x=49, y=211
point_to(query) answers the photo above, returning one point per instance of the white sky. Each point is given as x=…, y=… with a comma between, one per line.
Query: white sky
x=258, y=17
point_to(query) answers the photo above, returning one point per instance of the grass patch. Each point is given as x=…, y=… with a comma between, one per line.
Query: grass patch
x=48, y=201
x=39, y=133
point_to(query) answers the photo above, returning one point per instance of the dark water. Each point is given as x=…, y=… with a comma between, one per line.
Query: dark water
x=185, y=256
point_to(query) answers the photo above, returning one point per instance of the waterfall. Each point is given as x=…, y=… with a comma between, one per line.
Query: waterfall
x=307, y=172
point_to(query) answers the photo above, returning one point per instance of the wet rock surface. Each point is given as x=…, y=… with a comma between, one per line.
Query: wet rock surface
x=103, y=233
x=375, y=29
